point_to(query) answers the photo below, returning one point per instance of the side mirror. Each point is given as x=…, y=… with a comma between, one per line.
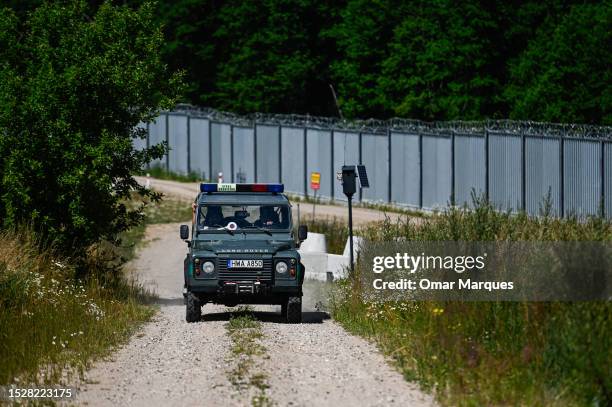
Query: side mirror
x=184, y=231
x=302, y=233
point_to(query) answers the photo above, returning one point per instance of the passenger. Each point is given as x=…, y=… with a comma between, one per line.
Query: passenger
x=267, y=217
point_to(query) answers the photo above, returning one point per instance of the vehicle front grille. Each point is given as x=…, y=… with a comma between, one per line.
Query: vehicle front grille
x=236, y=274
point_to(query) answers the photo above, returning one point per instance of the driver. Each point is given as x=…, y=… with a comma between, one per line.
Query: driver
x=214, y=216
x=267, y=217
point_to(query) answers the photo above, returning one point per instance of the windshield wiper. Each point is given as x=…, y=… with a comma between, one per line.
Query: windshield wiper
x=260, y=228
x=231, y=232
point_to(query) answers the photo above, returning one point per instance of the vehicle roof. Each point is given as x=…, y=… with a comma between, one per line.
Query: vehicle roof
x=243, y=198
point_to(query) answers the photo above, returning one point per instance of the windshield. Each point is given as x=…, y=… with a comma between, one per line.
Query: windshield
x=255, y=217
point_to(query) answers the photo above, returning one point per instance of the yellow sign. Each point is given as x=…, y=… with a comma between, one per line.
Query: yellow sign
x=315, y=180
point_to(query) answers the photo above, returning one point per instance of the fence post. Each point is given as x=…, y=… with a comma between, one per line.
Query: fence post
x=332, y=177
x=420, y=170
x=486, y=153
x=210, y=164
x=561, y=177
x=523, y=174
x=602, y=169
x=452, y=197
x=255, y=147
x=167, y=143
x=305, y=161
x=188, y=144
x=148, y=141
x=390, y=166
x=360, y=162
x=280, y=155
x=232, y=151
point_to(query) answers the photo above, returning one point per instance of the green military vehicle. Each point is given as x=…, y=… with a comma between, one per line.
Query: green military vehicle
x=243, y=250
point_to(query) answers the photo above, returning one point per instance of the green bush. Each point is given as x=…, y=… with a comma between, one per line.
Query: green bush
x=74, y=87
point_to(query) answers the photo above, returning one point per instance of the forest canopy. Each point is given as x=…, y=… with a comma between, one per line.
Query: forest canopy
x=432, y=60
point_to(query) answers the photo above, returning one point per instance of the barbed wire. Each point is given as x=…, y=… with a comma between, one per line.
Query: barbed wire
x=400, y=125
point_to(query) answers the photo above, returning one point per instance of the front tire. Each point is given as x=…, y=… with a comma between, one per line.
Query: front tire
x=193, y=309
x=294, y=310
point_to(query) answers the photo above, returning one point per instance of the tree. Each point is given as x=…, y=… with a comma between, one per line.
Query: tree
x=73, y=89
x=564, y=74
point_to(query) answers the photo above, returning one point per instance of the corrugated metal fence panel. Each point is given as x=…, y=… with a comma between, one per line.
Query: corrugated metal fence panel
x=469, y=168
x=177, y=140
x=221, y=151
x=319, y=159
x=375, y=156
x=199, y=146
x=608, y=179
x=140, y=143
x=405, y=169
x=505, y=171
x=292, y=159
x=244, y=154
x=268, y=164
x=157, y=134
x=582, y=177
x=346, y=152
x=543, y=174
x=436, y=171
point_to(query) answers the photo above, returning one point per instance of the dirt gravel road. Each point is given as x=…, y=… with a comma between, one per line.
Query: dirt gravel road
x=361, y=216
x=172, y=363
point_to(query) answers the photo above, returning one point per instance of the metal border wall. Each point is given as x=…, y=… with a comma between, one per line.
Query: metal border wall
x=565, y=169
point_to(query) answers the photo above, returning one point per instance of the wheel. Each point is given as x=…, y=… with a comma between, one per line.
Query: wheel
x=193, y=308
x=294, y=310
x=284, y=310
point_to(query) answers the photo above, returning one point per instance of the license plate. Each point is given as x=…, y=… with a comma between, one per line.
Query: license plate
x=245, y=264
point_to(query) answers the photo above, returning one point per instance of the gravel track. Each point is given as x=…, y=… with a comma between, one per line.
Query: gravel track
x=172, y=363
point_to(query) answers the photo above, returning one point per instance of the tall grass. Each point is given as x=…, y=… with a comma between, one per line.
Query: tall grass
x=490, y=353
x=52, y=323
x=161, y=173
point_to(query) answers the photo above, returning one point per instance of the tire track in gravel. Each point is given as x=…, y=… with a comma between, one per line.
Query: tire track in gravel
x=172, y=363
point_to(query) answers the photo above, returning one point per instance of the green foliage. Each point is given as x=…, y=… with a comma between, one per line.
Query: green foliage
x=74, y=87
x=489, y=353
x=49, y=320
x=564, y=74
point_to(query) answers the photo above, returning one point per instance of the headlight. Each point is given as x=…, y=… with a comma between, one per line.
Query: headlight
x=208, y=267
x=281, y=267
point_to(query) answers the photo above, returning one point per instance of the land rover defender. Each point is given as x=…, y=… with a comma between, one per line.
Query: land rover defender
x=242, y=250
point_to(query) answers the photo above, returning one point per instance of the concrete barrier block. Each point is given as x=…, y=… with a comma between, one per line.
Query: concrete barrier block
x=316, y=242
x=357, y=242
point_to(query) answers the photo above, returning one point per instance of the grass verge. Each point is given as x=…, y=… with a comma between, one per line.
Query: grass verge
x=51, y=324
x=490, y=353
x=245, y=333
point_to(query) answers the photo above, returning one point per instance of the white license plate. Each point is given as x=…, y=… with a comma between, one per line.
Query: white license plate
x=245, y=264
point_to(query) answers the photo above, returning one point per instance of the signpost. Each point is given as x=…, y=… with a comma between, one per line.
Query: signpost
x=315, y=185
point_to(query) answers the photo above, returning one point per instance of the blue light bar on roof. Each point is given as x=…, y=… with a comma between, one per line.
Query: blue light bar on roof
x=274, y=188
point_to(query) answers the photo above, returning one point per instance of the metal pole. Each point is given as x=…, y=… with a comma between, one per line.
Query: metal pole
x=602, y=169
x=232, y=151
x=389, y=167
x=210, y=165
x=350, y=219
x=486, y=154
x=280, y=155
x=360, y=163
x=421, y=170
x=188, y=144
x=561, y=177
x=452, y=197
x=305, y=161
x=167, y=144
x=314, y=204
x=523, y=175
x=333, y=175
x=255, y=147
